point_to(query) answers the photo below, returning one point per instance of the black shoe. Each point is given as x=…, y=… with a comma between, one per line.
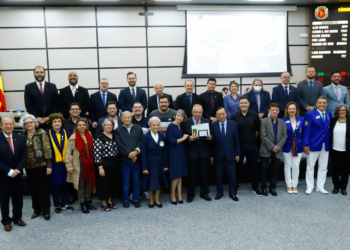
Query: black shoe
x=126, y=204
x=343, y=192
x=219, y=196
x=272, y=191
x=174, y=202
x=257, y=191
x=264, y=192
x=72, y=200
x=151, y=206
x=47, y=217
x=35, y=214
x=68, y=208
x=234, y=197
x=190, y=198
x=181, y=202
x=90, y=206
x=84, y=208
x=58, y=210
x=335, y=191
x=136, y=204
x=205, y=197
x=160, y=205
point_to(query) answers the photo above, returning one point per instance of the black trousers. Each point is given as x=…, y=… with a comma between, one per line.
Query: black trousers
x=252, y=162
x=38, y=183
x=72, y=191
x=269, y=172
x=106, y=185
x=340, y=172
x=199, y=165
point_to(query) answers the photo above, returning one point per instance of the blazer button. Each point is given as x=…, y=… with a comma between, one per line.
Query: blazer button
x=323, y=135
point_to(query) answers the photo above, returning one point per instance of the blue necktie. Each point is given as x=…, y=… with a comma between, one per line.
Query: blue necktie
x=223, y=130
x=104, y=99
x=310, y=86
x=286, y=90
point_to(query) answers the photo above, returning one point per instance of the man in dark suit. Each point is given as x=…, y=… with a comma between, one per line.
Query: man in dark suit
x=198, y=154
x=12, y=159
x=285, y=93
x=153, y=101
x=309, y=89
x=226, y=152
x=112, y=111
x=211, y=100
x=132, y=94
x=98, y=102
x=41, y=97
x=188, y=99
x=73, y=93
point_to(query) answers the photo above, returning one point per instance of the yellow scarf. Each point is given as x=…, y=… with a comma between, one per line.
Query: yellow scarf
x=59, y=157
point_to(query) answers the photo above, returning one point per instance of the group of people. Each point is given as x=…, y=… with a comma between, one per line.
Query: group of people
x=88, y=148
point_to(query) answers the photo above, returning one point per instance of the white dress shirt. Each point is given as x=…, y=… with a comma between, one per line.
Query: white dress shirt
x=131, y=90
x=43, y=85
x=284, y=87
x=155, y=137
x=115, y=122
x=339, y=136
x=76, y=88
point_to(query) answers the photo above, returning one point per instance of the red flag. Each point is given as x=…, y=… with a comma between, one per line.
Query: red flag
x=2, y=96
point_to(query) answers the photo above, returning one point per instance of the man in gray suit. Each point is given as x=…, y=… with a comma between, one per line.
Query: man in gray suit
x=336, y=93
x=310, y=89
x=273, y=133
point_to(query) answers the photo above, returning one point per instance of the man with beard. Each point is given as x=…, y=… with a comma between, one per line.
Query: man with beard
x=138, y=117
x=112, y=111
x=164, y=113
x=309, y=89
x=41, y=97
x=73, y=93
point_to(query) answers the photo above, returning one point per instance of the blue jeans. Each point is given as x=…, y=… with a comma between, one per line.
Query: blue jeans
x=134, y=170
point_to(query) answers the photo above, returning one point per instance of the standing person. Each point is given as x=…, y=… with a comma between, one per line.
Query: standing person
x=316, y=144
x=188, y=99
x=231, y=100
x=81, y=169
x=336, y=93
x=112, y=111
x=259, y=99
x=285, y=93
x=340, y=148
x=273, y=133
x=309, y=89
x=177, y=155
x=38, y=165
x=128, y=138
x=153, y=101
x=73, y=93
x=58, y=139
x=132, y=94
x=226, y=152
x=12, y=159
x=198, y=153
x=98, y=101
x=41, y=97
x=211, y=100
x=248, y=124
x=154, y=161
x=138, y=117
x=293, y=148
x=105, y=154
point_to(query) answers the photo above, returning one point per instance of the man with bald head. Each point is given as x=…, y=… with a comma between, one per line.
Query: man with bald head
x=153, y=101
x=73, y=93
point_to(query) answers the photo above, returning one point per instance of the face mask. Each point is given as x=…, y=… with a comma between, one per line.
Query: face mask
x=257, y=88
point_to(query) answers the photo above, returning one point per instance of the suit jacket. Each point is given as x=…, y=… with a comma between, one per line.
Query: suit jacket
x=182, y=103
x=205, y=101
x=280, y=97
x=198, y=148
x=307, y=97
x=8, y=160
x=126, y=102
x=66, y=98
x=268, y=137
x=99, y=125
x=347, y=136
x=97, y=109
x=153, y=153
x=299, y=134
x=230, y=146
x=265, y=101
x=35, y=102
x=153, y=103
x=316, y=131
x=333, y=100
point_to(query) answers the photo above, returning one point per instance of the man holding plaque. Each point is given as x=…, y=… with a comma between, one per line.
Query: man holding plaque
x=198, y=153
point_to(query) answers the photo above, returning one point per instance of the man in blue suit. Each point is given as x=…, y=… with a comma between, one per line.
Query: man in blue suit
x=12, y=158
x=226, y=152
x=284, y=93
x=98, y=102
x=153, y=101
x=316, y=144
x=336, y=93
x=112, y=111
x=132, y=94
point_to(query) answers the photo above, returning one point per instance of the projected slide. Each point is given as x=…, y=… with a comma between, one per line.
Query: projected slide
x=236, y=42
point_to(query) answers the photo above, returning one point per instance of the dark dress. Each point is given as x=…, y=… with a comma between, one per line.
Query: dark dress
x=154, y=159
x=176, y=152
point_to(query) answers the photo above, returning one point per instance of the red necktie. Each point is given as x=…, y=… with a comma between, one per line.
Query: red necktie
x=41, y=89
x=9, y=140
x=197, y=122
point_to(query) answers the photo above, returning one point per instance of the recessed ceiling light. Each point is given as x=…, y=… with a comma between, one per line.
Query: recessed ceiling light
x=99, y=0
x=265, y=0
x=172, y=0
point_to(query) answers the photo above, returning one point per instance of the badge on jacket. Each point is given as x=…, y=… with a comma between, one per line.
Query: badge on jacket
x=161, y=144
x=306, y=124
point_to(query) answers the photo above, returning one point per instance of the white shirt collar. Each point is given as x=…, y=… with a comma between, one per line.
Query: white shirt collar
x=334, y=86
x=155, y=137
x=7, y=135
x=38, y=83
x=76, y=87
x=101, y=93
x=321, y=112
x=285, y=86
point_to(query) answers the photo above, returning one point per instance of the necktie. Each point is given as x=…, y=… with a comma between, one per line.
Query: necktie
x=323, y=118
x=133, y=94
x=338, y=93
x=197, y=122
x=212, y=100
x=158, y=101
x=286, y=90
x=259, y=102
x=310, y=86
x=104, y=99
x=41, y=89
x=189, y=100
x=223, y=131
x=73, y=91
x=9, y=140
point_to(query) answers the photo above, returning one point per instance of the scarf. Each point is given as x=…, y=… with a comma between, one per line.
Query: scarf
x=87, y=158
x=294, y=141
x=59, y=148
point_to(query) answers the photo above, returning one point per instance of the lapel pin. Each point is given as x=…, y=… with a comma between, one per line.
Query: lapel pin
x=290, y=90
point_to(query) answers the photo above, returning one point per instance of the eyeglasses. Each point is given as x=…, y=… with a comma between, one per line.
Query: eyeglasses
x=74, y=109
x=342, y=110
x=27, y=123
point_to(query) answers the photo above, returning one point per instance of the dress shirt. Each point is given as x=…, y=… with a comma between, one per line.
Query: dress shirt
x=339, y=135
x=116, y=123
x=294, y=124
x=231, y=104
x=38, y=84
x=155, y=137
x=337, y=91
x=313, y=81
x=13, y=146
x=258, y=100
x=225, y=126
x=76, y=88
x=131, y=90
x=101, y=93
x=129, y=128
x=195, y=121
x=320, y=112
x=275, y=129
x=284, y=87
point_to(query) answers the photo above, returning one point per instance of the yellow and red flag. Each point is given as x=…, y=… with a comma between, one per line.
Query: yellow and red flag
x=2, y=96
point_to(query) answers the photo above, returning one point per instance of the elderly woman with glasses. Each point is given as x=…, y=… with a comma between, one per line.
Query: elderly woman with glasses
x=38, y=165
